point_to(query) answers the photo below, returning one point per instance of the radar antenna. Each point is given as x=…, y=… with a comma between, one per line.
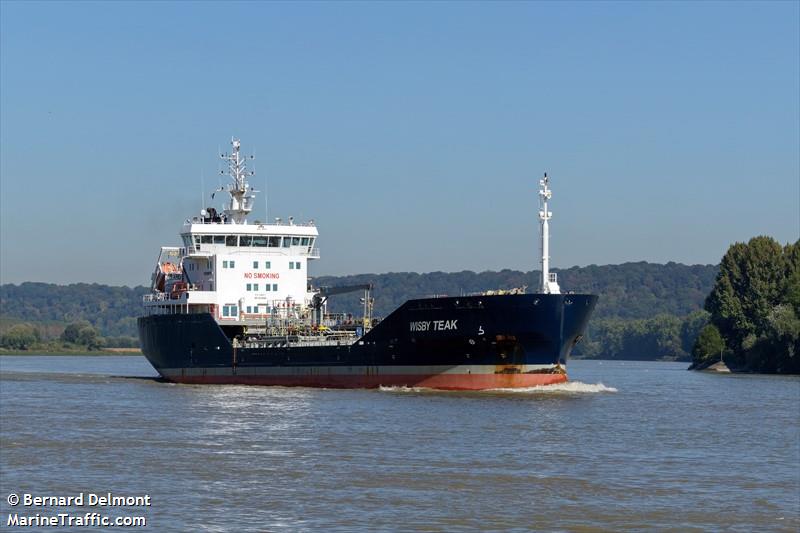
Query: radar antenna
x=241, y=202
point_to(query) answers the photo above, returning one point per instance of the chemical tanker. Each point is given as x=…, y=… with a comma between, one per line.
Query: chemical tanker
x=233, y=305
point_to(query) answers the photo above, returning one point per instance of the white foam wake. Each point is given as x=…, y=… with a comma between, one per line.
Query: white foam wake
x=570, y=387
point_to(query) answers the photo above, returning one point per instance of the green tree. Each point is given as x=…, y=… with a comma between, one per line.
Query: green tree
x=83, y=334
x=755, y=304
x=691, y=326
x=792, y=289
x=20, y=337
x=749, y=284
x=88, y=336
x=783, y=339
x=72, y=332
x=709, y=345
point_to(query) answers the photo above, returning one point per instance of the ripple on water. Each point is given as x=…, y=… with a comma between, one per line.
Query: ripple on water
x=626, y=445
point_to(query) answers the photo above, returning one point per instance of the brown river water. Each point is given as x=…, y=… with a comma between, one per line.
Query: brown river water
x=624, y=446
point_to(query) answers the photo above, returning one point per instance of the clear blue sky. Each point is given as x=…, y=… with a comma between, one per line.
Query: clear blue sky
x=413, y=133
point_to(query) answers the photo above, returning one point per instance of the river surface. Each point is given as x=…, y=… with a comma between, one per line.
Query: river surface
x=624, y=446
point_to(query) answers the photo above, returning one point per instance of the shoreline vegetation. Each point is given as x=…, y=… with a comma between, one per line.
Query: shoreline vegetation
x=647, y=311
x=754, y=310
x=106, y=351
x=75, y=338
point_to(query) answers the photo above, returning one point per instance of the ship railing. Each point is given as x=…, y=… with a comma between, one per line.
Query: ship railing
x=155, y=297
x=207, y=221
x=334, y=319
x=195, y=251
x=290, y=339
x=340, y=341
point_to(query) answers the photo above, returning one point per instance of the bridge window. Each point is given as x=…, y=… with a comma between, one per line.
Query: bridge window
x=219, y=239
x=287, y=241
x=206, y=239
x=245, y=240
x=231, y=240
x=304, y=242
x=259, y=241
x=295, y=241
x=274, y=242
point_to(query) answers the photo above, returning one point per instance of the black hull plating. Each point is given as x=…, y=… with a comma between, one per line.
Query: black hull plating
x=505, y=331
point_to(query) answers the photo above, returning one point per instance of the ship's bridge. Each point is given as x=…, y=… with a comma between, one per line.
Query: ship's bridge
x=200, y=238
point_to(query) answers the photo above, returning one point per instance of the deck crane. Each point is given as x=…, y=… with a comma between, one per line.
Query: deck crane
x=323, y=293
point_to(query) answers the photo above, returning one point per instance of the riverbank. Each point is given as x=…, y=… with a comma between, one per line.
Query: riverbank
x=720, y=367
x=104, y=351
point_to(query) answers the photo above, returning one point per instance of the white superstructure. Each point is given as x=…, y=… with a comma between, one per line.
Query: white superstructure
x=239, y=271
x=549, y=279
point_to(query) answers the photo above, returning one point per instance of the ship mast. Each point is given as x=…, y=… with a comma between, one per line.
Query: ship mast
x=241, y=202
x=549, y=281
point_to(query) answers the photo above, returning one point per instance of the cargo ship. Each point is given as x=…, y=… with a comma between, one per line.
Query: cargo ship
x=234, y=305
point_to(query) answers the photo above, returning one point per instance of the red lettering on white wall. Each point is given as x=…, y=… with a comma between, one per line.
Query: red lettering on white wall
x=262, y=275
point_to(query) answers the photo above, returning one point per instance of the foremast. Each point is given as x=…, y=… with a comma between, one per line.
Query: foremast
x=242, y=196
x=549, y=281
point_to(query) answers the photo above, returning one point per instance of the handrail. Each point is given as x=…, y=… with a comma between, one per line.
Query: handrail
x=270, y=250
x=259, y=225
x=156, y=297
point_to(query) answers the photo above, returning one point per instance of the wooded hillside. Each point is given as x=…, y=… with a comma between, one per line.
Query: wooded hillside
x=643, y=311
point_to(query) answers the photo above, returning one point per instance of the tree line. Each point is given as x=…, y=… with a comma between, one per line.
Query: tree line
x=645, y=310
x=80, y=335
x=662, y=337
x=754, y=309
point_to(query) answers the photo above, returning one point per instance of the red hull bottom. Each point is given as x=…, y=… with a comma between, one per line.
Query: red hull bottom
x=437, y=381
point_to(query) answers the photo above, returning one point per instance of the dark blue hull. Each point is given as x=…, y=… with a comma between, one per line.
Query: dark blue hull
x=471, y=342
